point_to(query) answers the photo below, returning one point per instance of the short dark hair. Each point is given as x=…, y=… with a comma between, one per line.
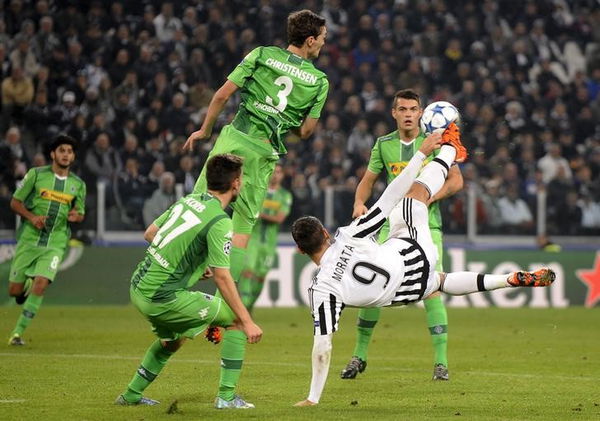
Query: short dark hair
x=303, y=24
x=406, y=94
x=62, y=139
x=308, y=234
x=221, y=170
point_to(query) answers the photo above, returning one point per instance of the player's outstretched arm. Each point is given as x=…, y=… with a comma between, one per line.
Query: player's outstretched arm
x=228, y=289
x=217, y=103
x=321, y=357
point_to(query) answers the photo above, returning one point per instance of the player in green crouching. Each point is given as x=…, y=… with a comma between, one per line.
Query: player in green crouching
x=392, y=153
x=263, y=241
x=49, y=197
x=191, y=240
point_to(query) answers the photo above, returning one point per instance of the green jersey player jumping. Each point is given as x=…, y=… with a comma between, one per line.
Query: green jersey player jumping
x=281, y=90
x=192, y=240
x=49, y=197
x=392, y=153
x=263, y=241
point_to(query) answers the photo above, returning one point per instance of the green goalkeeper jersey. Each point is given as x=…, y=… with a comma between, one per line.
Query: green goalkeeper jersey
x=278, y=90
x=193, y=233
x=391, y=153
x=45, y=193
x=276, y=201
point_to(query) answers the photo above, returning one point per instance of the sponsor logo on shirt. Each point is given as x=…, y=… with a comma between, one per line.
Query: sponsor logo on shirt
x=272, y=204
x=56, y=196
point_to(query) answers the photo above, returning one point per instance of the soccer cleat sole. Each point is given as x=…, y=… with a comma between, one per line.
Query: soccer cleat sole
x=539, y=278
x=451, y=136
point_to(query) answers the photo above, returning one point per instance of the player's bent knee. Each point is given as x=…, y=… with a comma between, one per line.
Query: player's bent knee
x=39, y=286
x=418, y=192
x=15, y=289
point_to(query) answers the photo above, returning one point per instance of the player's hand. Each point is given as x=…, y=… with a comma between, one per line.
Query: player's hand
x=197, y=135
x=359, y=210
x=74, y=216
x=305, y=402
x=253, y=332
x=38, y=221
x=431, y=143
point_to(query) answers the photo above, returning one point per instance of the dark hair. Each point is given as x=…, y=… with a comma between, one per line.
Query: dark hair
x=406, y=94
x=308, y=234
x=221, y=170
x=303, y=24
x=62, y=139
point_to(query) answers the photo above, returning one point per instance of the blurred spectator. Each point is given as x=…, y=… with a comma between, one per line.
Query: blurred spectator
x=552, y=161
x=17, y=93
x=161, y=199
x=514, y=212
x=102, y=163
x=131, y=192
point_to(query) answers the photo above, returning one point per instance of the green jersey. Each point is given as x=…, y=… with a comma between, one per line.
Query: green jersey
x=193, y=233
x=278, y=90
x=45, y=193
x=391, y=153
x=276, y=201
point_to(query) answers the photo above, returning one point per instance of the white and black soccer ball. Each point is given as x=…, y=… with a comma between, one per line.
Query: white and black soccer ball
x=437, y=116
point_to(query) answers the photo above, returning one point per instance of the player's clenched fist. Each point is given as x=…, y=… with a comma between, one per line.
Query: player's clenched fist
x=253, y=332
x=38, y=221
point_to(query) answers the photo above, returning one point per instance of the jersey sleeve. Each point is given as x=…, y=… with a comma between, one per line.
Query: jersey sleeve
x=245, y=69
x=315, y=111
x=369, y=224
x=219, y=243
x=375, y=162
x=79, y=204
x=27, y=186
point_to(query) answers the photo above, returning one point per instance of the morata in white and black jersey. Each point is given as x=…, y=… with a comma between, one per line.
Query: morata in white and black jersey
x=357, y=271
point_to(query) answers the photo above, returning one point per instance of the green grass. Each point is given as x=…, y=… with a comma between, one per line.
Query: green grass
x=525, y=364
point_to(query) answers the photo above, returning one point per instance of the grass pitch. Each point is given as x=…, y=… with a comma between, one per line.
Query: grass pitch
x=526, y=364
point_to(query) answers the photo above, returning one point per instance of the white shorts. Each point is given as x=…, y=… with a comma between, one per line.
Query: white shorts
x=410, y=219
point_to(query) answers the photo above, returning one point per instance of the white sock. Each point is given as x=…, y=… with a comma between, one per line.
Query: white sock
x=434, y=174
x=461, y=283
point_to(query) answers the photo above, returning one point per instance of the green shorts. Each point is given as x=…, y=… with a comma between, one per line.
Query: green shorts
x=436, y=236
x=188, y=315
x=259, y=163
x=260, y=258
x=31, y=261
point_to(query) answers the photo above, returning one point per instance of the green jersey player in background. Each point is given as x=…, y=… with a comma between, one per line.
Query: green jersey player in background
x=263, y=241
x=392, y=153
x=192, y=240
x=281, y=90
x=49, y=197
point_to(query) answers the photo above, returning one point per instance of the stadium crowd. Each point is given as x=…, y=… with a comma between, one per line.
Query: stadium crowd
x=132, y=79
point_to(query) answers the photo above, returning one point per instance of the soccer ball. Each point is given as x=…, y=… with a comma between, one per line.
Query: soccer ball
x=437, y=116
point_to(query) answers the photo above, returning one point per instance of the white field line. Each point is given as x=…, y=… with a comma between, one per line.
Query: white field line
x=286, y=364
x=12, y=400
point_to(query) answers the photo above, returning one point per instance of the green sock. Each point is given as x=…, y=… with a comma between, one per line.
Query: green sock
x=367, y=319
x=236, y=262
x=232, y=357
x=437, y=321
x=155, y=359
x=30, y=309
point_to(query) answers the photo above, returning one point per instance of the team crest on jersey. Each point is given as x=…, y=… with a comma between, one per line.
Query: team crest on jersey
x=227, y=247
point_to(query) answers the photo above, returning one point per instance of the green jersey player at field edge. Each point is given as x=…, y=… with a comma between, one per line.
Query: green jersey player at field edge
x=281, y=90
x=191, y=240
x=392, y=153
x=263, y=241
x=49, y=197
